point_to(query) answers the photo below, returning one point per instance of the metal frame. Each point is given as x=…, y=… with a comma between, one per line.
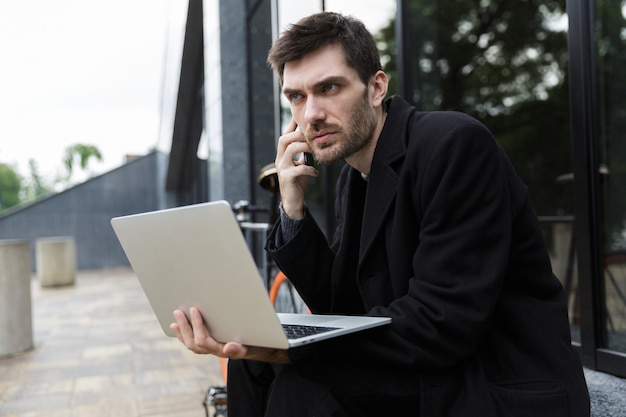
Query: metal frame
x=585, y=144
x=586, y=181
x=185, y=175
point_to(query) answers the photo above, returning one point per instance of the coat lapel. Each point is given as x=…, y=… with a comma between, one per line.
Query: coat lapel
x=383, y=179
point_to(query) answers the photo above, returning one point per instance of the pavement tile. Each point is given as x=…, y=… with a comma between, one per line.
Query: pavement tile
x=99, y=351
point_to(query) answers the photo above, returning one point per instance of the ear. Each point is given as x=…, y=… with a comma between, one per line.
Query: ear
x=379, y=84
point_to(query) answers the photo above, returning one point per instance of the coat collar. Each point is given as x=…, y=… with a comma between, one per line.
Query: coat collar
x=382, y=182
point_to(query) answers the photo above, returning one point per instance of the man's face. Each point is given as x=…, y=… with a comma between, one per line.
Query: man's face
x=330, y=104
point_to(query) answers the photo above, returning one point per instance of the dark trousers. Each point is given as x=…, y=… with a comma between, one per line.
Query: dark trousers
x=320, y=390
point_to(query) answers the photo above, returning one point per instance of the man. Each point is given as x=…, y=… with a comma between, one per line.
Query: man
x=435, y=230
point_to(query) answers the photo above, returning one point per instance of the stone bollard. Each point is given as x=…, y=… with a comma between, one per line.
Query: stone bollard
x=16, y=318
x=56, y=261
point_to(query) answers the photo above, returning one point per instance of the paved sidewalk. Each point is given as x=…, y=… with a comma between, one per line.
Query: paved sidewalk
x=608, y=394
x=99, y=351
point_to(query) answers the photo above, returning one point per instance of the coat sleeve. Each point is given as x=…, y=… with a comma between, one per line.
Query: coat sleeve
x=308, y=259
x=306, y=256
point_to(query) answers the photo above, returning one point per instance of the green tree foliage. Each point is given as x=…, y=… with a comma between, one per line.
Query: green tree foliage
x=15, y=190
x=34, y=186
x=504, y=62
x=82, y=153
x=10, y=184
x=388, y=48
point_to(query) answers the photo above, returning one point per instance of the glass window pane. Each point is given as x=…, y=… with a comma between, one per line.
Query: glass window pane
x=611, y=75
x=615, y=292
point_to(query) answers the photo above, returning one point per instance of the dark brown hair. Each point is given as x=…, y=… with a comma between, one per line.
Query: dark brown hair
x=322, y=29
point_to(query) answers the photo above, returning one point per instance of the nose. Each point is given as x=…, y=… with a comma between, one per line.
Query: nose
x=314, y=111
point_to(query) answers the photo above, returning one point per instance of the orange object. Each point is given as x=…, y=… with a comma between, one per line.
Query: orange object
x=224, y=366
x=278, y=280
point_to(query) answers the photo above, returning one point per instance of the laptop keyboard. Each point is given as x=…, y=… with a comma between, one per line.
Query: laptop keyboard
x=296, y=331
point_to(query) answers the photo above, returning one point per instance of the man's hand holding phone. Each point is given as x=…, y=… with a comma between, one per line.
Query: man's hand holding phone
x=293, y=166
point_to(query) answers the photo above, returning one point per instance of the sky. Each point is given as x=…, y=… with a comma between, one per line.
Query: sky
x=92, y=72
x=79, y=71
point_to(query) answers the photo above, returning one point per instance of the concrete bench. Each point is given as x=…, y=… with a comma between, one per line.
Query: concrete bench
x=56, y=261
x=16, y=323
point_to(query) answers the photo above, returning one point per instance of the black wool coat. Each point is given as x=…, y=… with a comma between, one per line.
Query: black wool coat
x=443, y=239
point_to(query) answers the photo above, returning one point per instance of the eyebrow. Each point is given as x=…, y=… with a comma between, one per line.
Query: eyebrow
x=334, y=79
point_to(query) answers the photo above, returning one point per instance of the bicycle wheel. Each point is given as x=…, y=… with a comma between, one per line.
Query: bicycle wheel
x=284, y=296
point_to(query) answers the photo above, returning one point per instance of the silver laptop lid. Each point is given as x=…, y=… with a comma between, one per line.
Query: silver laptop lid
x=197, y=256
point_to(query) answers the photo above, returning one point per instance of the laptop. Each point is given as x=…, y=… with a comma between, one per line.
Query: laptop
x=197, y=256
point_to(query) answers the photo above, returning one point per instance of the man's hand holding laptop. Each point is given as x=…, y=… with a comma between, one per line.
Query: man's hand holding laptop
x=196, y=337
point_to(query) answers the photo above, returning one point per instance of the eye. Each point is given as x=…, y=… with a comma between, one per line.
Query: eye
x=294, y=96
x=330, y=87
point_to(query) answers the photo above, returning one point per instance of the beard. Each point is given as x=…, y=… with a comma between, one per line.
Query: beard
x=357, y=134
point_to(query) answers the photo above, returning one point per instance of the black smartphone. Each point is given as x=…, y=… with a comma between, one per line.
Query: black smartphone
x=308, y=159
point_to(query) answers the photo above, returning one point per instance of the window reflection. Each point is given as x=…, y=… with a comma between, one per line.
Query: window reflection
x=611, y=59
x=615, y=293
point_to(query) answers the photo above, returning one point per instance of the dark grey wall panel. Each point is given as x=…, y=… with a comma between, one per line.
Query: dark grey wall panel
x=84, y=211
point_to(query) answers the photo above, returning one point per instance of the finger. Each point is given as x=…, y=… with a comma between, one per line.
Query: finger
x=197, y=322
x=203, y=341
x=291, y=127
x=201, y=336
x=290, y=136
x=235, y=350
x=185, y=333
x=184, y=329
x=292, y=154
x=176, y=330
